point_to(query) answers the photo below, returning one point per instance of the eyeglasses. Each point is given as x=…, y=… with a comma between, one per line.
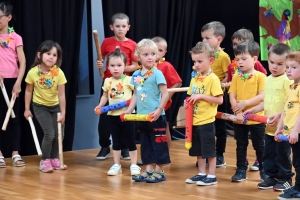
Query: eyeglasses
x=3, y=16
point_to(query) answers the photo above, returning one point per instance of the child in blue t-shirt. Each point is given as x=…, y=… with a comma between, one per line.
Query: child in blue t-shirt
x=150, y=97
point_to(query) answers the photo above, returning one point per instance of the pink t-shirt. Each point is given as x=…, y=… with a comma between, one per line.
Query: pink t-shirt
x=8, y=56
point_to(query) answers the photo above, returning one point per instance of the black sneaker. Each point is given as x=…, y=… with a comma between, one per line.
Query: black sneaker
x=267, y=184
x=282, y=185
x=195, y=179
x=103, y=154
x=125, y=154
x=240, y=175
x=263, y=175
x=255, y=166
x=290, y=193
x=220, y=161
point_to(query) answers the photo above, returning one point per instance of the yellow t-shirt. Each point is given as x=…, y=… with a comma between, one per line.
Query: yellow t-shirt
x=45, y=90
x=247, y=89
x=118, y=91
x=220, y=65
x=291, y=109
x=205, y=112
x=275, y=93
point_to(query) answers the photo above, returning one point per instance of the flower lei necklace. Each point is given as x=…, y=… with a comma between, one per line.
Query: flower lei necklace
x=47, y=81
x=294, y=86
x=140, y=79
x=199, y=77
x=234, y=65
x=7, y=41
x=161, y=61
x=244, y=76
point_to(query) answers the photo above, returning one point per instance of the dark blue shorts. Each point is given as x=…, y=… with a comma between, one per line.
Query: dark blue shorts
x=154, y=146
x=203, y=141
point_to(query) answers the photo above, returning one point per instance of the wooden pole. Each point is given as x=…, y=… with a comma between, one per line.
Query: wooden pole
x=97, y=44
x=9, y=111
x=35, y=138
x=6, y=98
x=60, y=146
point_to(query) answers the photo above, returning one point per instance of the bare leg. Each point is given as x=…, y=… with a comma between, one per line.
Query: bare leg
x=212, y=166
x=133, y=156
x=201, y=164
x=117, y=156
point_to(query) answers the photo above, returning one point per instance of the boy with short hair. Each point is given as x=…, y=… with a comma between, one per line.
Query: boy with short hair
x=277, y=163
x=120, y=26
x=247, y=91
x=206, y=93
x=289, y=123
x=214, y=33
x=171, y=76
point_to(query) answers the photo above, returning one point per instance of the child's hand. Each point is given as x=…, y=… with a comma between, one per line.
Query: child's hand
x=195, y=98
x=273, y=120
x=278, y=132
x=239, y=106
x=16, y=89
x=127, y=112
x=293, y=137
x=27, y=113
x=185, y=104
x=240, y=118
x=249, y=111
x=61, y=118
x=156, y=114
x=97, y=107
x=99, y=64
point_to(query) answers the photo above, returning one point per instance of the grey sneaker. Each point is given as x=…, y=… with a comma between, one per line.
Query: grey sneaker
x=103, y=154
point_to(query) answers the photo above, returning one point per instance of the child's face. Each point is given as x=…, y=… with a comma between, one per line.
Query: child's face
x=147, y=57
x=293, y=70
x=236, y=42
x=49, y=58
x=116, y=67
x=161, y=51
x=202, y=62
x=4, y=19
x=276, y=64
x=120, y=28
x=246, y=62
x=209, y=37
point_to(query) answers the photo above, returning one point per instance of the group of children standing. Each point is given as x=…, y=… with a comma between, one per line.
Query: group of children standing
x=250, y=91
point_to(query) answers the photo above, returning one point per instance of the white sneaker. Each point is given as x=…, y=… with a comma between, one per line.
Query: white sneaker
x=134, y=169
x=115, y=170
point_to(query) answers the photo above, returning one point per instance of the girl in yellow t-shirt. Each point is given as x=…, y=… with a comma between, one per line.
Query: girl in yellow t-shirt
x=46, y=87
x=117, y=89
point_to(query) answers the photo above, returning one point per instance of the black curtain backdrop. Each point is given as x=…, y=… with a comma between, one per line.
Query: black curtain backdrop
x=36, y=21
x=180, y=23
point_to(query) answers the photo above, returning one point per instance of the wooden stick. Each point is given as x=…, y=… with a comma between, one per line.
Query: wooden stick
x=35, y=138
x=60, y=146
x=182, y=89
x=6, y=98
x=9, y=111
x=96, y=40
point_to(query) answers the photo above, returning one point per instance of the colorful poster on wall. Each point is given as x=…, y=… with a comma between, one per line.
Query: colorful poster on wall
x=279, y=21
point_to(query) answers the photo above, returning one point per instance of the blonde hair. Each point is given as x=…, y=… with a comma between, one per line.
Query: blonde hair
x=145, y=43
x=203, y=47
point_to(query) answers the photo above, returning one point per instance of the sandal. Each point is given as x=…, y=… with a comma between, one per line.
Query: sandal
x=156, y=177
x=17, y=161
x=142, y=177
x=2, y=162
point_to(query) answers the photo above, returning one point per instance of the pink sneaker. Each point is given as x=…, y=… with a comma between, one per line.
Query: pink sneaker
x=45, y=166
x=56, y=164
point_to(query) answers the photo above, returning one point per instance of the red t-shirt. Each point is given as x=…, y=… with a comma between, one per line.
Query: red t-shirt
x=127, y=47
x=257, y=66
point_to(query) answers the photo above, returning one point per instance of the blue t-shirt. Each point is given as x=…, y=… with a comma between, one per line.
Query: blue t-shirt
x=148, y=95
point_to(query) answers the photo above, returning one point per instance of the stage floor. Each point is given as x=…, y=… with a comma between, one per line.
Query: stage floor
x=86, y=178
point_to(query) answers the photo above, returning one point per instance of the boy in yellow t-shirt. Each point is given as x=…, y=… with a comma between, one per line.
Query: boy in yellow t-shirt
x=213, y=33
x=206, y=93
x=247, y=91
x=277, y=163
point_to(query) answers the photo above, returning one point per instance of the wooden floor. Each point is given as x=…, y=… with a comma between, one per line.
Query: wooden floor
x=86, y=178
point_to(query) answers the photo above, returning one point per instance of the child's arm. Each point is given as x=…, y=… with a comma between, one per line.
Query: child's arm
x=132, y=103
x=131, y=68
x=294, y=135
x=255, y=109
x=22, y=66
x=62, y=103
x=176, y=85
x=164, y=98
x=242, y=104
x=225, y=78
x=103, y=100
x=28, y=96
x=211, y=99
x=279, y=128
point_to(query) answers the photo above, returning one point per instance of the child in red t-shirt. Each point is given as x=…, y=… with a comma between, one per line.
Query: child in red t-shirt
x=120, y=26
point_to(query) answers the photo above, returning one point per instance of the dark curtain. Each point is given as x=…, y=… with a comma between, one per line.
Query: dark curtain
x=173, y=20
x=39, y=20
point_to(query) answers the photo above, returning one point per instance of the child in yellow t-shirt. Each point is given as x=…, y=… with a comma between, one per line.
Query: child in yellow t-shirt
x=117, y=89
x=247, y=91
x=206, y=94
